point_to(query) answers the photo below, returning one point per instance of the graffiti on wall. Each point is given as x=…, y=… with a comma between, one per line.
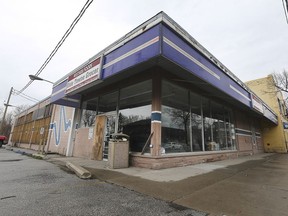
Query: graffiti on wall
x=63, y=123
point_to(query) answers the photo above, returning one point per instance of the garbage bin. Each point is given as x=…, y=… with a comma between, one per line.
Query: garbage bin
x=118, y=153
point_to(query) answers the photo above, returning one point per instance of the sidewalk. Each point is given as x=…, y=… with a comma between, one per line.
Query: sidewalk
x=164, y=175
x=252, y=185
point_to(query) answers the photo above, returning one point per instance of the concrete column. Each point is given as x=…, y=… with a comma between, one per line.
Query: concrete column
x=156, y=114
x=50, y=129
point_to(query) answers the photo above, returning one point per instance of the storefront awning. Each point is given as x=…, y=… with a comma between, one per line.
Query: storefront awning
x=59, y=96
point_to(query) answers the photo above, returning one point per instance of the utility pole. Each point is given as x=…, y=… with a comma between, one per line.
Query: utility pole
x=6, y=107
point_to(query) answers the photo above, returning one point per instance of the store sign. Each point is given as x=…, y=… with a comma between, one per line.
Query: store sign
x=256, y=103
x=84, y=76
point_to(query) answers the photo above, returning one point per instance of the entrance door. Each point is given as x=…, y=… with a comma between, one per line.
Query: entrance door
x=109, y=129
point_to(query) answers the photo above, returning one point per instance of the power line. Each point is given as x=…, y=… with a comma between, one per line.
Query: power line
x=18, y=93
x=28, y=98
x=285, y=6
x=67, y=33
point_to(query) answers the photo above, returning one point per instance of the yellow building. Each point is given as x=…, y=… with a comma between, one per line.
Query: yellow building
x=275, y=138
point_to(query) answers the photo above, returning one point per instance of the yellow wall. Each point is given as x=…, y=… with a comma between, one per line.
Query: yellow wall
x=274, y=137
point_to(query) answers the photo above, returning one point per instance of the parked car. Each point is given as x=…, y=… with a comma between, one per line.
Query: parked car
x=3, y=139
x=173, y=146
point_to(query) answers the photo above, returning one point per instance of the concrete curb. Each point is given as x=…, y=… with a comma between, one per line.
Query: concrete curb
x=23, y=152
x=79, y=171
x=38, y=156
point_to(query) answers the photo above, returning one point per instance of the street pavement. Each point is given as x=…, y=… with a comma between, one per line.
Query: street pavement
x=33, y=187
x=251, y=185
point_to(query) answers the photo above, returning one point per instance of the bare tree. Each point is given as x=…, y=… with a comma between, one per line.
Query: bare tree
x=7, y=124
x=181, y=119
x=20, y=109
x=8, y=121
x=279, y=83
x=125, y=120
x=88, y=118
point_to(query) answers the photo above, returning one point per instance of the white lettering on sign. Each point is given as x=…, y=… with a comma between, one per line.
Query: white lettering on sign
x=84, y=76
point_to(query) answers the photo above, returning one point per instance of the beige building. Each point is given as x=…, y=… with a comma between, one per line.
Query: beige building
x=275, y=137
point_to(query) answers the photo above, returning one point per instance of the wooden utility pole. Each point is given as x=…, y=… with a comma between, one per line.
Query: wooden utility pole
x=5, y=111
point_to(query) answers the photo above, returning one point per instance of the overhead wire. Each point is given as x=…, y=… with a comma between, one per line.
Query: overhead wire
x=285, y=6
x=59, y=44
x=21, y=94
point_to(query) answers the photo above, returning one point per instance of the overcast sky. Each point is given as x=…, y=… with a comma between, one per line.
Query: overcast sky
x=248, y=36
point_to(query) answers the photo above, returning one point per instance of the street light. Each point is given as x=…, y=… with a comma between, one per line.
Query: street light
x=33, y=77
x=9, y=105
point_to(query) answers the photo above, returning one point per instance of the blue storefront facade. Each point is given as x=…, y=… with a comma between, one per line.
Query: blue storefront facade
x=175, y=100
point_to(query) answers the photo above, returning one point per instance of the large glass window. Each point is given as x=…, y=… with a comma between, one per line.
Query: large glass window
x=99, y=105
x=192, y=123
x=89, y=111
x=195, y=123
x=175, y=118
x=218, y=129
x=135, y=114
x=88, y=118
x=128, y=111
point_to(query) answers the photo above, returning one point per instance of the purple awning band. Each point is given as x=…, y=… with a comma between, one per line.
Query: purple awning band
x=59, y=97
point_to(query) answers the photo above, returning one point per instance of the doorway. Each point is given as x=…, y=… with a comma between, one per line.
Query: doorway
x=104, y=127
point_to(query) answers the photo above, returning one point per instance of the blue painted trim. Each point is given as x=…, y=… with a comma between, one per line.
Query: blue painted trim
x=180, y=52
x=156, y=116
x=138, y=50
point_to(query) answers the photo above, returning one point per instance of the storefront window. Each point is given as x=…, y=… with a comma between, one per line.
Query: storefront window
x=195, y=123
x=89, y=112
x=192, y=123
x=175, y=118
x=88, y=118
x=135, y=114
x=230, y=130
x=218, y=129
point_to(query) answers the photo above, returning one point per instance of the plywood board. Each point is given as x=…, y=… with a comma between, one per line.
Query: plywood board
x=97, y=149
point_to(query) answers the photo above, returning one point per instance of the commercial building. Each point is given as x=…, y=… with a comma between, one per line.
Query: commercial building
x=275, y=138
x=157, y=84
x=31, y=127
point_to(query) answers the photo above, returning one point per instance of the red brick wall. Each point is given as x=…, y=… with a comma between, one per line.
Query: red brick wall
x=169, y=161
x=245, y=124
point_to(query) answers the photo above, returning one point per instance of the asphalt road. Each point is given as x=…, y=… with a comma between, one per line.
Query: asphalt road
x=252, y=188
x=35, y=187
